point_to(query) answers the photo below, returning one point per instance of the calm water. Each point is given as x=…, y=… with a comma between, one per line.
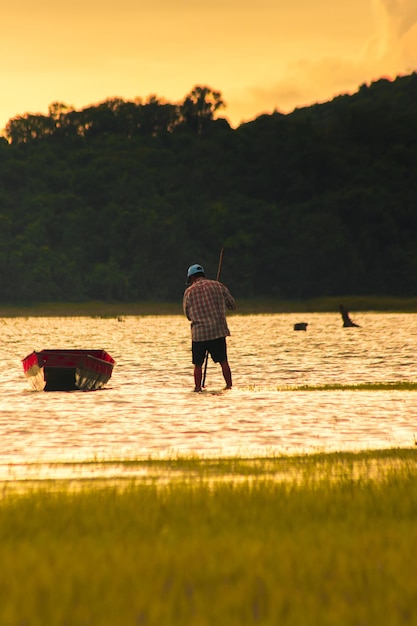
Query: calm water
x=148, y=408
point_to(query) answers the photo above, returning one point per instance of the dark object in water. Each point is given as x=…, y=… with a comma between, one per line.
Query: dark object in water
x=301, y=326
x=345, y=317
x=68, y=370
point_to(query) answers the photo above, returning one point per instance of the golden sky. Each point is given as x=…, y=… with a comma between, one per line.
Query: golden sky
x=261, y=55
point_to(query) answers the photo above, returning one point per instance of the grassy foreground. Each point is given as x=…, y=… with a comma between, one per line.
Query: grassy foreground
x=310, y=540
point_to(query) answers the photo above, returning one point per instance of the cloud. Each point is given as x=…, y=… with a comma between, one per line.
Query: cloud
x=307, y=81
x=390, y=45
x=395, y=17
x=391, y=51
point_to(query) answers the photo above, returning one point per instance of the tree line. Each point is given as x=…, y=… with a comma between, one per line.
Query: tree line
x=113, y=202
x=116, y=116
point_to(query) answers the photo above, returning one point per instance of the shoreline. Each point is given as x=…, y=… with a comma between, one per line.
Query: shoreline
x=244, y=307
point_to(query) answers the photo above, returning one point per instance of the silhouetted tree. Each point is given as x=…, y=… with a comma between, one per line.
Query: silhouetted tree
x=199, y=107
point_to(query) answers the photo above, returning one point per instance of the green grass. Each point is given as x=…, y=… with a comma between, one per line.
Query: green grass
x=375, y=386
x=322, y=540
x=244, y=306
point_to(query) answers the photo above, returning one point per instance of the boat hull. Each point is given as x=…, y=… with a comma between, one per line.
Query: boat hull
x=68, y=370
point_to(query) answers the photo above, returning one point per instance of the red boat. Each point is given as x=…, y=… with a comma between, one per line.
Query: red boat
x=68, y=370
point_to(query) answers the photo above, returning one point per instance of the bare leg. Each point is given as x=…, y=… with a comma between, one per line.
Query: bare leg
x=198, y=374
x=227, y=374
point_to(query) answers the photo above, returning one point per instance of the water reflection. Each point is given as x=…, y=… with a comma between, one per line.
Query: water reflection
x=149, y=409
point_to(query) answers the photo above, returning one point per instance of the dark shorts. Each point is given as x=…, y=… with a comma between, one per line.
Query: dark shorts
x=215, y=347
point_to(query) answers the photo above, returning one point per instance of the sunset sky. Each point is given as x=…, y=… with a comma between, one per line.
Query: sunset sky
x=260, y=54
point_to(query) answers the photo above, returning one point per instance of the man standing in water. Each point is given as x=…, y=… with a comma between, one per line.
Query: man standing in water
x=204, y=304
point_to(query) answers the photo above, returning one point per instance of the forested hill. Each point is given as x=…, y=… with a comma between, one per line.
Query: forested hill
x=113, y=202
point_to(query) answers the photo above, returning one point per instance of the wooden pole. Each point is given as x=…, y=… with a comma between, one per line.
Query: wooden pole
x=219, y=268
x=219, y=271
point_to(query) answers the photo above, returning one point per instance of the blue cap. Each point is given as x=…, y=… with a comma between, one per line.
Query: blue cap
x=195, y=269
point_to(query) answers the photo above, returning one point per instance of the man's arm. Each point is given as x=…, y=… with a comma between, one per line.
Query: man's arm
x=228, y=298
x=185, y=305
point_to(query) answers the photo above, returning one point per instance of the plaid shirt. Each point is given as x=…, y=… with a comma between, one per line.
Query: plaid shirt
x=204, y=304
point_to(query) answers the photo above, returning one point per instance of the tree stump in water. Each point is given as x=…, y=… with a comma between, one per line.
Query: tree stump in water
x=301, y=326
x=345, y=317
